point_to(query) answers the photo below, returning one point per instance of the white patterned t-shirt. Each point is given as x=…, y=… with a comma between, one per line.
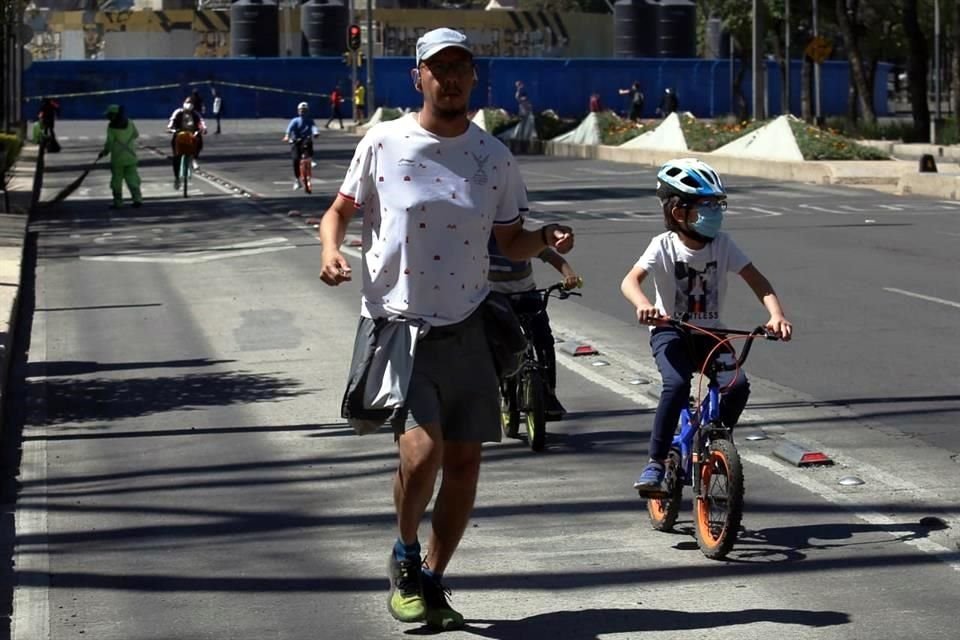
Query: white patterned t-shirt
x=692, y=282
x=429, y=204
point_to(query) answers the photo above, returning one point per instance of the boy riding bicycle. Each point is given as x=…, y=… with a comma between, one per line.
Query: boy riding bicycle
x=508, y=276
x=300, y=133
x=689, y=265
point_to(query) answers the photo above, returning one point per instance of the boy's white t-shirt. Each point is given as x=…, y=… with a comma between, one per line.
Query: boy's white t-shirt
x=429, y=204
x=691, y=282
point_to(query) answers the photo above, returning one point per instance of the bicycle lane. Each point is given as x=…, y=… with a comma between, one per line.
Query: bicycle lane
x=559, y=544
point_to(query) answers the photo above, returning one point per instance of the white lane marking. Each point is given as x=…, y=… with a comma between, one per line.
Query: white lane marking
x=849, y=502
x=823, y=209
x=892, y=207
x=31, y=602
x=237, y=250
x=763, y=211
x=551, y=203
x=952, y=204
x=854, y=209
x=949, y=303
x=942, y=553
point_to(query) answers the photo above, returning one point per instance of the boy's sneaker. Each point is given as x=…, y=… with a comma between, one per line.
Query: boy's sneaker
x=650, y=481
x=406, y=602
x=440, y=615
x=297, y=185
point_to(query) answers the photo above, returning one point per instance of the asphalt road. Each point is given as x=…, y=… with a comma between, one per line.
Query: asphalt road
x=185, y=474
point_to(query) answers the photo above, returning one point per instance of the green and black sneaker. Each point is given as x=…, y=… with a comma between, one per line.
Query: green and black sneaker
x=440, y=615
x=406, y=602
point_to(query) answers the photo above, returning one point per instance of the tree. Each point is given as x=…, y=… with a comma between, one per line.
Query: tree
x=851, y=29
x=917, y=58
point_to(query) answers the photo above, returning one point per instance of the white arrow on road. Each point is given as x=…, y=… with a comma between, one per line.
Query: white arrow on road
x=238, y=250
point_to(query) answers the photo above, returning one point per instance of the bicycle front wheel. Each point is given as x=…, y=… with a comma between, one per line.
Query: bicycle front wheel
x=531, y=390
x=664, y=510
x=306, y=172
x=509, y=408
x=718, y=508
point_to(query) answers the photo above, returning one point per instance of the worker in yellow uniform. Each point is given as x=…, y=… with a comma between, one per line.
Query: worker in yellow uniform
x=121, y=143
x=360, y=102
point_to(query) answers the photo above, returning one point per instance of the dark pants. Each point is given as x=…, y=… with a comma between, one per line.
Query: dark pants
x=298, y=150
x=217, y=116
x=636, y=111
x=677, y=364
x=336, y=116
x=198, y=147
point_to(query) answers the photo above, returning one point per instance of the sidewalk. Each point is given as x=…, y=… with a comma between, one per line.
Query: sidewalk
x=13, y=228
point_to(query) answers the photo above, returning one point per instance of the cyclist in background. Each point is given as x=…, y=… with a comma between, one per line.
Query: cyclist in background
x=689, y=264
x=185, y=118
x=300, y=134
x=509, y=276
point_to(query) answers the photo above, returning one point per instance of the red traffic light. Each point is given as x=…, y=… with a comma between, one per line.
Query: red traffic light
x=353, y=37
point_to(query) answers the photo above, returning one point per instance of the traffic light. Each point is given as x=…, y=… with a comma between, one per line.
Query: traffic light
x=353, y=37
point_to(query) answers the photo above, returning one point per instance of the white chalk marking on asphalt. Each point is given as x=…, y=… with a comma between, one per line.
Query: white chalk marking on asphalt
x=942, y=553
x=238, y=250
x=31, y=603
x=892, y=207
x=823, y=209
x=765, y=211
x=848, y=501
x=949, y=303
x=850, y=207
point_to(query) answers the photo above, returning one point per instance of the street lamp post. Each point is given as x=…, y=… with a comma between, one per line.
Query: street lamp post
x=370, y=104
x=816, y=72
x=786, y=38
x=936, y=71
x=755, y=66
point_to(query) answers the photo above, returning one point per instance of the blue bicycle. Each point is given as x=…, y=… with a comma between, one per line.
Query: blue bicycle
x=704, y=456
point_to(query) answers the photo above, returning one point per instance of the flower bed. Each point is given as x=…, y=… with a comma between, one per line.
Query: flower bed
x=827, y=144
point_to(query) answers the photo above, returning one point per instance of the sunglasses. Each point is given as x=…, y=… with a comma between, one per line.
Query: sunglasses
x=707, y=205
x=461, y=68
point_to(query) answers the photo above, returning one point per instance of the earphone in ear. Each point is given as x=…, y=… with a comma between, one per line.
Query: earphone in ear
x=415, y=75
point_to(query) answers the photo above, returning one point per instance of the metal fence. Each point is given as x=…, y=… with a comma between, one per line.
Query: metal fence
x=271, y=87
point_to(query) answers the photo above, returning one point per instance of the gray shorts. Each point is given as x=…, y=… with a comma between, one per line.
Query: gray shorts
x=454, y=384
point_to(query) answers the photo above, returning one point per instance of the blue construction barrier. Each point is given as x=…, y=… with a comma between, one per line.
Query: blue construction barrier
x=271, y=87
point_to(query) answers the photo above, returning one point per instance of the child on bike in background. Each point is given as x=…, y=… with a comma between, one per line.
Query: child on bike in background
x=689, y=265
x=507, y=276
x=300, y=134
x=186, y=118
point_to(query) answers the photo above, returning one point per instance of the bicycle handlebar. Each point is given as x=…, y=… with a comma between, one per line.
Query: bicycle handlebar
x=751, y=335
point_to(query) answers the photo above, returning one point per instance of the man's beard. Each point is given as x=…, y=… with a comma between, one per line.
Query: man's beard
x=450, y=114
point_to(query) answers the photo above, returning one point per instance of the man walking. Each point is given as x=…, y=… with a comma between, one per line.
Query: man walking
x=336, y=99
x=121, y=144
x=217, y=108
x=432, y=186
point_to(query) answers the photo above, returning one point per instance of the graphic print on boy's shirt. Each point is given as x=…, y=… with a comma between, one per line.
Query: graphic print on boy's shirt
x=697, y=294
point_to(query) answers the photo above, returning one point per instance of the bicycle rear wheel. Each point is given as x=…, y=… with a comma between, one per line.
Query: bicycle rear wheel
x=663, y=511
x=509, y=408
x=718, y=508
x=184, y=172
x=531, y=391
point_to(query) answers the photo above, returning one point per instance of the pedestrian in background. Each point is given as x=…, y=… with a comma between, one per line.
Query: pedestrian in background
x=47, y=116
x=595, y=105
x=360, y=102
x=121, y=146
x=668, y=103
x=524, y=107
x=336, y=99
x=425, y=262
x=636, y=100
x=217, y=107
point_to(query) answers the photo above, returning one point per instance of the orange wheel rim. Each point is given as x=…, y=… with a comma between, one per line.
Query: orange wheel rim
x=713, y=471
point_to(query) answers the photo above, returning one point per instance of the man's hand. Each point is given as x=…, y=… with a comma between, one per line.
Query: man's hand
x=335, y=269
x=559, y=237
x=571, y=281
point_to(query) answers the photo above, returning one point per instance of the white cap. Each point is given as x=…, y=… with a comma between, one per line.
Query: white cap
x=304, y=106
x=432, y=42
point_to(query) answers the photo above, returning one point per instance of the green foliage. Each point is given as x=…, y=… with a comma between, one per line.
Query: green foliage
x=615, y=131
x=901, y=130
x=549, y=125
x=389, y=113
x=498, y=120
x=828, y=144
x=707, y=135
x=13, y=144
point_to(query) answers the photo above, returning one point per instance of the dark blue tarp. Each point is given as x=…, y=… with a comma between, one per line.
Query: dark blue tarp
x=271, y=87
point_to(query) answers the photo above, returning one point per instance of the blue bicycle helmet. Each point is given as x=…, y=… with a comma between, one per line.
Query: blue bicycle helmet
x=689, y=178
